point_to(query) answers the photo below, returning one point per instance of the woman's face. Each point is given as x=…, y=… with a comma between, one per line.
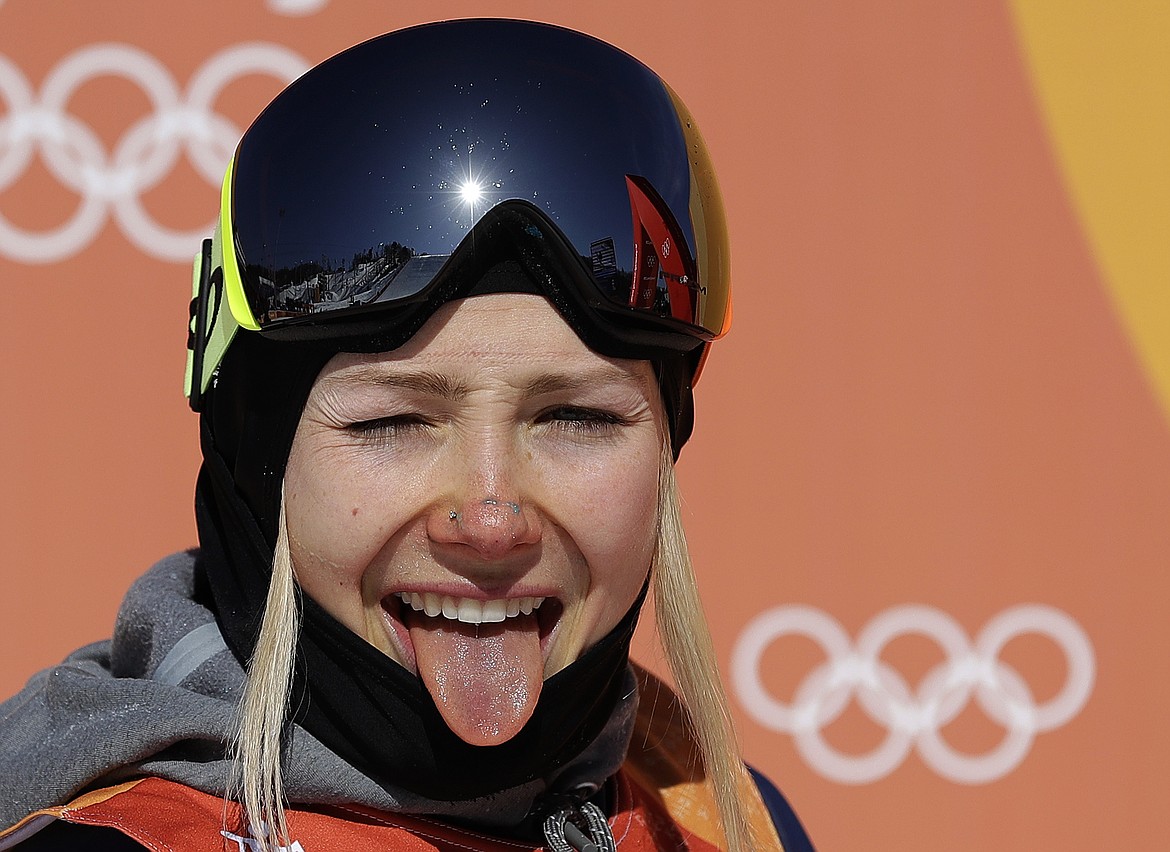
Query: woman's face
x=480, y=504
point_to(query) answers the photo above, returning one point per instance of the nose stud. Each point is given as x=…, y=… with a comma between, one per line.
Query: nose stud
x=493, y=526
x=453, y=515
x=515, y=507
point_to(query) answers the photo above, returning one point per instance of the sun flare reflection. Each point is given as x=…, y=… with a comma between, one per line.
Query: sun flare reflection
x=471, y=192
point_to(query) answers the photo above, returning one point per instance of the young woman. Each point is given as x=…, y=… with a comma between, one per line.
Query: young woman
x=442, y=346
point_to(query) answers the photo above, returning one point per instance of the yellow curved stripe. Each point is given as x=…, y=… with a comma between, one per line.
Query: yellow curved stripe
x=1101, y=72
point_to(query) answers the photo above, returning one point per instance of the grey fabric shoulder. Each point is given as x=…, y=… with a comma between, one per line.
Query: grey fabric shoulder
x=99, y=712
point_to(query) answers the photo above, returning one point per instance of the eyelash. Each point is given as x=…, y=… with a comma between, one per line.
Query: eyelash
x=581, y=420
x=386, y=427
x=567, y=418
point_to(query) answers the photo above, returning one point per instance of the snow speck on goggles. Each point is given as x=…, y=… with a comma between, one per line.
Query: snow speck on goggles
x=388, y=179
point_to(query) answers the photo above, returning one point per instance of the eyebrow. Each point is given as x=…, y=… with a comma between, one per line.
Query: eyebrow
x=552, y=382
x=445, y=387
x=432, y=384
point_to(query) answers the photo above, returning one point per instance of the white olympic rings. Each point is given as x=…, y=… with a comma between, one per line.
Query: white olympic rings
x=912, y=716
x=141, y=159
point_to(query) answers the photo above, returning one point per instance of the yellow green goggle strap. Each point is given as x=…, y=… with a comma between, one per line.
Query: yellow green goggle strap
x=211, y=324
x=219, y=307
x=211, y=327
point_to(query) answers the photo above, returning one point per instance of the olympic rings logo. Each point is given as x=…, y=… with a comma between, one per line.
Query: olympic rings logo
x=141, y=159
x=913, y=717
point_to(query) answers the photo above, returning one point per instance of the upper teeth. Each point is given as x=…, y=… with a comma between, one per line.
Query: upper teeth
x=469, y=610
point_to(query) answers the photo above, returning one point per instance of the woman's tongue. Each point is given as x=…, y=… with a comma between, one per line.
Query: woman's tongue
x=484, y=678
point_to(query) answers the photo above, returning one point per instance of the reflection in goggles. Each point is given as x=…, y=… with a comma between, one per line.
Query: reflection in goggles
x=666, y=282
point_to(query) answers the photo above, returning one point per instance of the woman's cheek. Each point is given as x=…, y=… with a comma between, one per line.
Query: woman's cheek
x=617, y=526
x=328, y=531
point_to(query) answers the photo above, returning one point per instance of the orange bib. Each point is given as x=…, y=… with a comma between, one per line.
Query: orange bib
x=664, y=802
x=168, y=817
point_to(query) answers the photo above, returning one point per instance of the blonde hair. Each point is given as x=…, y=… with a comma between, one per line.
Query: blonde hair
x=686, y=640
x=262, y=716
x=257, y=782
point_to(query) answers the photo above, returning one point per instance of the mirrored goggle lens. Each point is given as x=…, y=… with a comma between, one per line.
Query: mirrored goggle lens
x=359, y=182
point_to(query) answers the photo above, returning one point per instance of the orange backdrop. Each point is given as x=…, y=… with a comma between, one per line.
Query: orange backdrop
x=929, y=489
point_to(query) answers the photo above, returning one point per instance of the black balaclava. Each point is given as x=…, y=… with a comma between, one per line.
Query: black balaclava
x=366, y=707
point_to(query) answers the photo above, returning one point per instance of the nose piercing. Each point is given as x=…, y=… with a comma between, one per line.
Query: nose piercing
x=453, y=515
x=515, y=507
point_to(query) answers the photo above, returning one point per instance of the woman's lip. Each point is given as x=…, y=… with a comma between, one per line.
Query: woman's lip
x=399, y=633
x=476, y=592
x=396, y=613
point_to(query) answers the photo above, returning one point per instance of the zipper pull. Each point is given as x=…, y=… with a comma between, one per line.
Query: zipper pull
x=579, y=828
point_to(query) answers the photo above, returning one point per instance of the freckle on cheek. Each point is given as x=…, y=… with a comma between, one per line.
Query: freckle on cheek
x=355, y=511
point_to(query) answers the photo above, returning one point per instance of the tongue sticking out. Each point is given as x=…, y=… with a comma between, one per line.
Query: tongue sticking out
x=484, y=678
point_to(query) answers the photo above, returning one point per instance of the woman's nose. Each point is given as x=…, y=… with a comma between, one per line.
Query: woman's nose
x=492, y=526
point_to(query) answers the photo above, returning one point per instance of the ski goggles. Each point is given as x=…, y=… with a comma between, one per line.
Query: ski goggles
x=388, y=179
